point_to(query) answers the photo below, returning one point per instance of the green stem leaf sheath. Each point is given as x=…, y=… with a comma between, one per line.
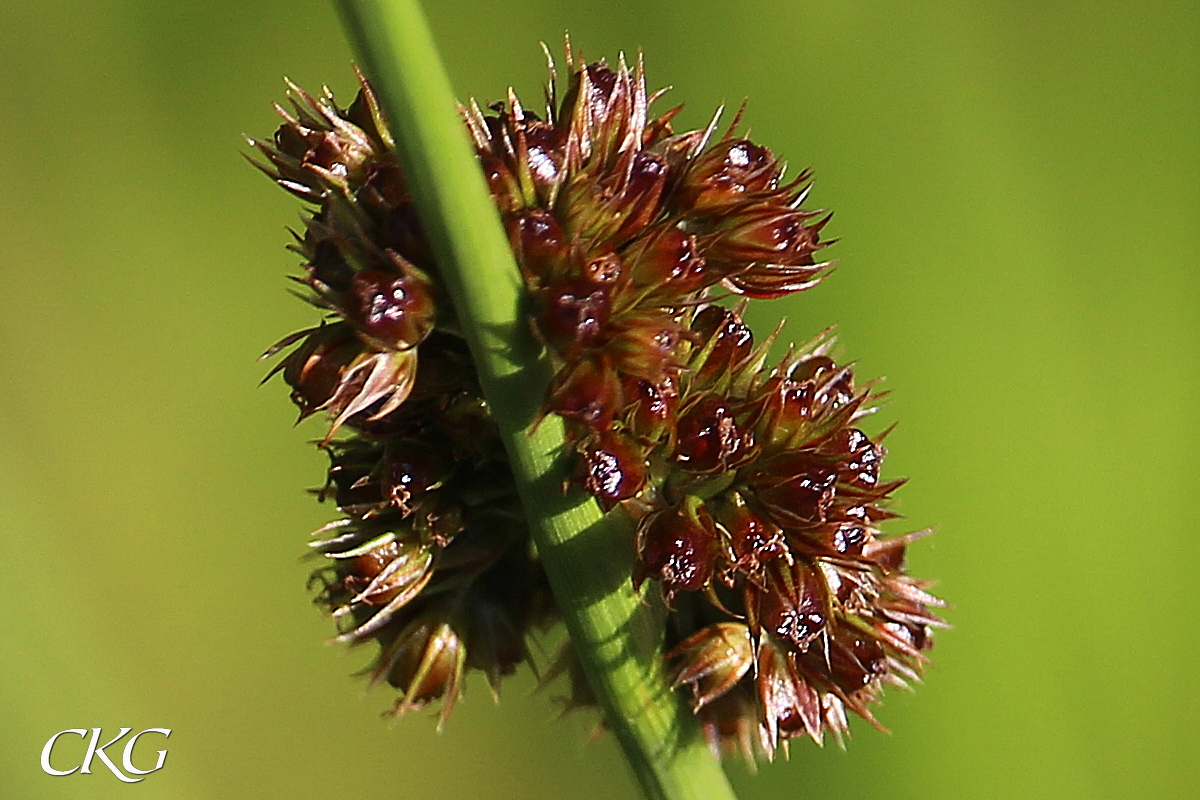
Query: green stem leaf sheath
x=586, y=554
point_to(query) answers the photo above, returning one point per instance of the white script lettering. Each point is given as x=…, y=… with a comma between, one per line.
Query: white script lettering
x=95, y=750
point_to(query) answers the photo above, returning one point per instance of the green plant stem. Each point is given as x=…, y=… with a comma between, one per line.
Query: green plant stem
x=586, y=554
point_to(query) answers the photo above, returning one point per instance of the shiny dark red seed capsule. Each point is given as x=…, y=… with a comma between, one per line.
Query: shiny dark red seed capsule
x=613, y=467
x=573, y=313
x=678, y=545
x=395, y=310
x=710, y=438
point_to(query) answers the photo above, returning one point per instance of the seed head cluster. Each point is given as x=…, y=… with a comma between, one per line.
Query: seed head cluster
x=757, y=497
x=431, y=558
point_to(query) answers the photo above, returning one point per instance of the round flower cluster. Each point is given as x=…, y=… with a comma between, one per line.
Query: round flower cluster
x=620, y=227
x=757, y=497
x=790, y=605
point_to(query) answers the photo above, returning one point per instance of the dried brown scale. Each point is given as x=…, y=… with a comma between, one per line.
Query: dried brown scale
x=758, y=494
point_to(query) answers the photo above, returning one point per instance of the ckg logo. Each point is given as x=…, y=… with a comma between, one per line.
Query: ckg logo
x=97, y=750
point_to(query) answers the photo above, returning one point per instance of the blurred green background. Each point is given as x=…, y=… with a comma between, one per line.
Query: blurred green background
x=1017, y=192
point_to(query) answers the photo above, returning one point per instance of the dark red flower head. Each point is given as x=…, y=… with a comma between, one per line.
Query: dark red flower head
x=757, y=489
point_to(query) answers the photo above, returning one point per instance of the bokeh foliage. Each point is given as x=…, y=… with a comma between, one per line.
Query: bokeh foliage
x=1016, y=187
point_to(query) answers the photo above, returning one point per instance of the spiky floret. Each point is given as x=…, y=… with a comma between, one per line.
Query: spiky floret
x=432, y=558
x=757, y=496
